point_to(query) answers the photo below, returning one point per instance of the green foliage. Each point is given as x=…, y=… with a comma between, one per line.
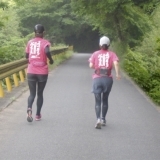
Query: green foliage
x=120, y=48
x=135, y=66
x=62, y=25
x=3, y=5
x=13, y=49
x=143, y=64
x=10, y=53
x=150, y=43
x=158, y=46
x=11, y=25
x=119, y=19
x=58, y=19
x=11, y=43
x=145, y=71
x=147, y=5
x=3, y=18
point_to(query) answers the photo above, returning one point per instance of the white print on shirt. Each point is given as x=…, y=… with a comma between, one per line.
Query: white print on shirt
x=35, y=49
x=103, y=60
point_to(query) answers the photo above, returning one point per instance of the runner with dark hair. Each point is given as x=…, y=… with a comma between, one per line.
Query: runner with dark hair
x=37, y=52
x=101, y=61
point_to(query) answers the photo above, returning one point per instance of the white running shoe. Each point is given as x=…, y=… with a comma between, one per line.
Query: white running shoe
x=98, y=124
x=103, y=122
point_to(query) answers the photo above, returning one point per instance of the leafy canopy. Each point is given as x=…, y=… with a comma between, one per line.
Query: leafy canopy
x=121, y=20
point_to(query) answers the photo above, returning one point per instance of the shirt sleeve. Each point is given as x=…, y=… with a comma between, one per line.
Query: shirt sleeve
x=47, y=43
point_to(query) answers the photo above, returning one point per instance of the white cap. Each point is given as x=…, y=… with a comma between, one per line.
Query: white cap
x=104, y=40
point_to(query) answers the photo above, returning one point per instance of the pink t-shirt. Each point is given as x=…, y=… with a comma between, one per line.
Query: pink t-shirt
x=103, y=59
x=37, y=56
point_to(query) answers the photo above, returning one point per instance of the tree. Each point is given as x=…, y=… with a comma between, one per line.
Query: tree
x=11, y=43
x=62, y=25
x=121, y=20
x=147, y=5
x=3, y=6
x=56, y=18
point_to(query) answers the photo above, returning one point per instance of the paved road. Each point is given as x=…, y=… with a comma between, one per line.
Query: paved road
x=67, y=131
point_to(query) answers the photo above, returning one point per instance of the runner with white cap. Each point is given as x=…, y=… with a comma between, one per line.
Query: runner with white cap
x=101, y=61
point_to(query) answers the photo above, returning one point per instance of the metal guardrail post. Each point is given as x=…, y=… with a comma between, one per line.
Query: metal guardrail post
x=8, y=84
x=21, y=76
x=16, y=83
x=1, y=90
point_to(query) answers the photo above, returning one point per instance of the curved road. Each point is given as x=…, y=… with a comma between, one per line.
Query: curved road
x=66, y=131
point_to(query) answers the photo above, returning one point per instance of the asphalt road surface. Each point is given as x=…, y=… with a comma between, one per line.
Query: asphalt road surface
x=66, y=131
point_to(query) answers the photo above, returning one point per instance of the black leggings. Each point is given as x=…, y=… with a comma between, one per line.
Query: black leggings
x=33, y=86
x=101, y=98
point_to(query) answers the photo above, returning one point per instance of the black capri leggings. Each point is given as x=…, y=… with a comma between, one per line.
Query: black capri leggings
x=40, y=87
x=36, y=86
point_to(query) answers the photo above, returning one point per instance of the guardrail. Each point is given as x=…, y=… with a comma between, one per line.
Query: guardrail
x=18, y=68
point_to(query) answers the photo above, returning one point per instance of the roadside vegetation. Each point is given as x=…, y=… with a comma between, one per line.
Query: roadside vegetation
x=132, y=25
x=61, y=58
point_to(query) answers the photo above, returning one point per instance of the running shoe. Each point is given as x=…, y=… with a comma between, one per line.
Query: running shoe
x=29, y=115
x=98, y=124
x=38, y=117
x=103, y=122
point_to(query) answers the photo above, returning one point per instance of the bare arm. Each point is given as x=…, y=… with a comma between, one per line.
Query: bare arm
x=91, y=65
x=116, y=66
